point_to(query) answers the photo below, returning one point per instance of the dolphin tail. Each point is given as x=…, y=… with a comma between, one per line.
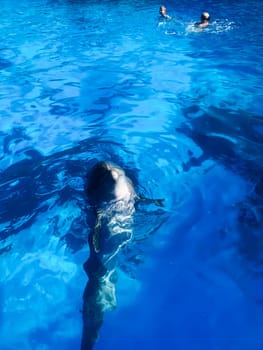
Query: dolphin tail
x=99, y=296
x=92, y=316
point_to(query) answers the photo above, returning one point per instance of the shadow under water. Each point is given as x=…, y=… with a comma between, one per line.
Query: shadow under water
x=232, y=139
x=235, y=140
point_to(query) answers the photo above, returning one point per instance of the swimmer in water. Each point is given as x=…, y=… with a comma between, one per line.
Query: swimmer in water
x=163, y=13
x=205, y=17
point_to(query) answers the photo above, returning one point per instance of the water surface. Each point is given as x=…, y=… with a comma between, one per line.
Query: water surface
x=181, y=112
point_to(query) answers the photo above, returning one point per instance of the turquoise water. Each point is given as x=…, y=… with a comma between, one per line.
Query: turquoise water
x=181, y=111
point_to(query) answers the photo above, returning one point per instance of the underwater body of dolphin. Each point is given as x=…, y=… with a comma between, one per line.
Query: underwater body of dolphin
x=113, y=197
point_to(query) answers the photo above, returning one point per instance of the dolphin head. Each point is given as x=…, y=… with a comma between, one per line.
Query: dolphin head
x=108, y=182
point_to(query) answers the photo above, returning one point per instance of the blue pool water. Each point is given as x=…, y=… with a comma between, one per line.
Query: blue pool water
x=181, y=111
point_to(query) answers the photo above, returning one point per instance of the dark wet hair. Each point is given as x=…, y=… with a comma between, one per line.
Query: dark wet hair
x=205, y=16
x=162, y=8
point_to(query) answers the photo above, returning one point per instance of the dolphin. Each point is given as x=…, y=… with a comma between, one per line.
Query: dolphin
x=112, y=195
